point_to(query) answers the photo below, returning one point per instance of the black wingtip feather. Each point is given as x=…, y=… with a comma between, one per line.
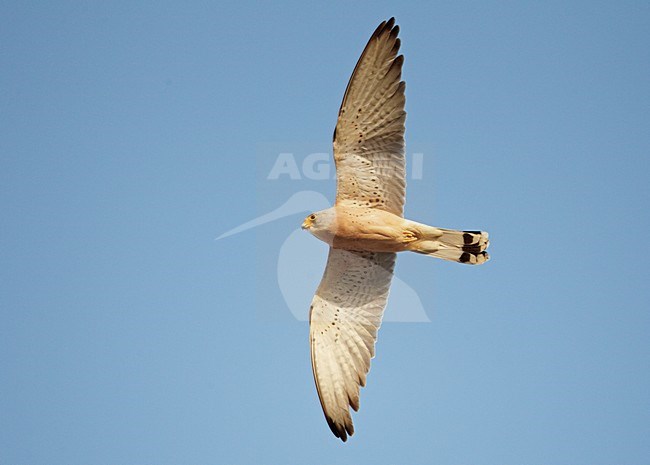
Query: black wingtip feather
x=339, y=430
x=386, y=26
x=399, y=61
x=378, y=30
x=398, y=44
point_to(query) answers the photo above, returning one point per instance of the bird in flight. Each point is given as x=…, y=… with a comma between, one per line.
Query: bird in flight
x=366, y=227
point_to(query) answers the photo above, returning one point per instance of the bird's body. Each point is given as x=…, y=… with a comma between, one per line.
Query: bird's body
x=366, y=228
x=360, y=229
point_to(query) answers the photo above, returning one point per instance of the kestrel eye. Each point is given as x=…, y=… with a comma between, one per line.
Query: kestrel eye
x=312, y=217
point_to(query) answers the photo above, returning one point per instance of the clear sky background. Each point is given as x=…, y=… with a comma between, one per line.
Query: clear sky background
x=132, y=135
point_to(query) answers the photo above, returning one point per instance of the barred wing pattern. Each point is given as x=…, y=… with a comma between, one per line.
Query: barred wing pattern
x=344, y=318
x=347, y=309
x=369, y=134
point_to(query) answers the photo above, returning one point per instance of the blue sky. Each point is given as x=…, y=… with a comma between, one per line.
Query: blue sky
x=132, y=135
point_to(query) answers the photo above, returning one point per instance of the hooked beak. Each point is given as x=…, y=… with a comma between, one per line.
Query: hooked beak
x=306, y=224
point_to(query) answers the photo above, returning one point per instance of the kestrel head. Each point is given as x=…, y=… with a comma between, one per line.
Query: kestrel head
x=309, y=221
x=321, y=224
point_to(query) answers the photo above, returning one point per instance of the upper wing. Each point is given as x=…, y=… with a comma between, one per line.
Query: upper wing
x=344, y=318
x=369, y=134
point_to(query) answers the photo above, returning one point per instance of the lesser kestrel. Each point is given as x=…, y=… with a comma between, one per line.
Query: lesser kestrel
x=366, y=227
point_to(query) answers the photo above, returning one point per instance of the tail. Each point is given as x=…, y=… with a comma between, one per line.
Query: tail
x=456, y=246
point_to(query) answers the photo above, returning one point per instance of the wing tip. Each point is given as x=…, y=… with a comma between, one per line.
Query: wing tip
x=385, y=26
x=398, y=44
x=398, y=62
x=341, y=431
